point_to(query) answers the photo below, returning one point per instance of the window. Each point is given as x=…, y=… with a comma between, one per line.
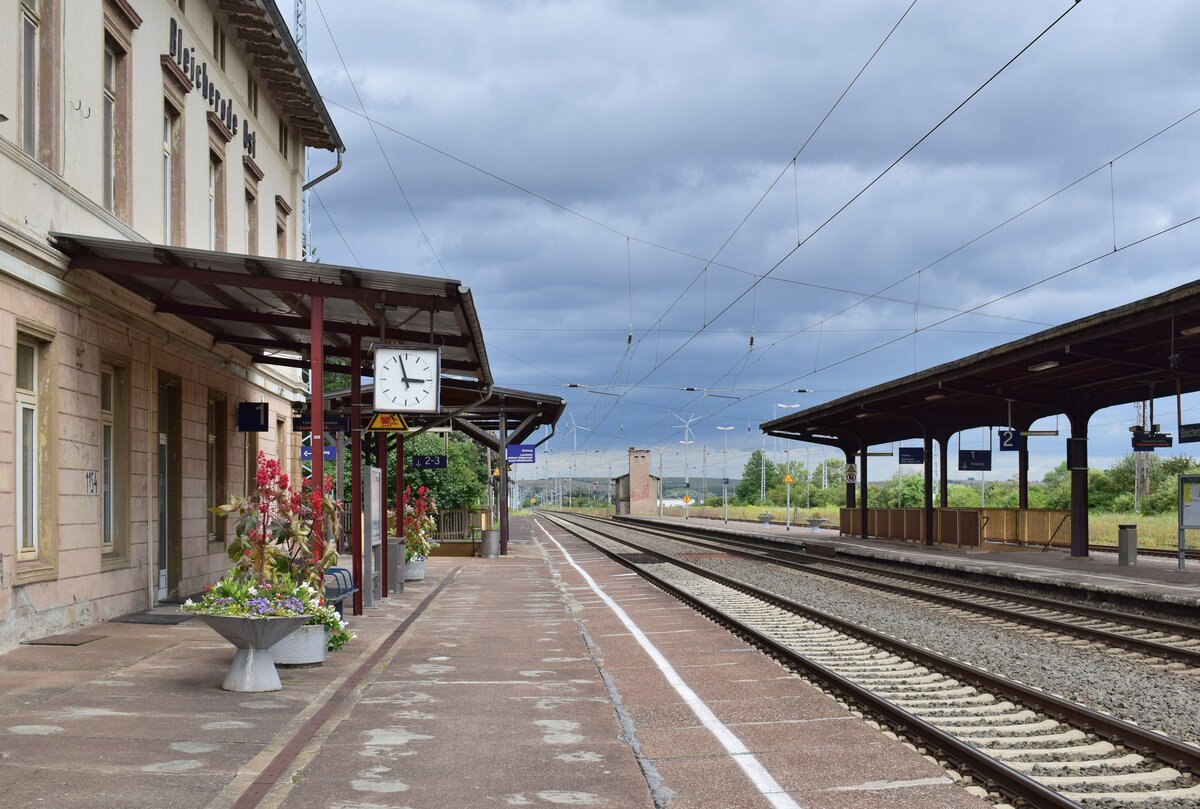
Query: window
x=251, y=223
x=215, y=458
x=107, y=456
x=216, y=202
x=218, y=43
x=251, y=96
x=283, y=140
x=110, y=124
x=27, y=447
x=172, y=158
x=30, y=89
x=115, y=122
x=280, y=445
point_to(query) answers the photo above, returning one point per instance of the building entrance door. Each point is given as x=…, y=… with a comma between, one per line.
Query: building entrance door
x=164, y=472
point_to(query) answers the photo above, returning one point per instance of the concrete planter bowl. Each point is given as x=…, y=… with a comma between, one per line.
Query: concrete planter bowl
x=307, y=646
x=253, y=667
x=414, y=569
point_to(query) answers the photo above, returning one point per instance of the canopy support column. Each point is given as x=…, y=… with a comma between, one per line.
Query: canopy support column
x=316, y=407
x=381, y=458
x=850, y=498
x=502, y=495
x=398, y=502
x=862, y=483
x=356, y=467
x=928, y=488
x=943, y=472
x=1077, y=462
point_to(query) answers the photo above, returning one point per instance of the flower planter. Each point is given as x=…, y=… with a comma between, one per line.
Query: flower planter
x=307, y=646
x=253, y=667
x=414, y=570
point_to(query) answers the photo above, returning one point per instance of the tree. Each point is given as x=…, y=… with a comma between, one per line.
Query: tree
x=747, y=492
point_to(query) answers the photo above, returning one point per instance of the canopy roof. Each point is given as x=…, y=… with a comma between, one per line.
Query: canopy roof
x=262, y=305
x=264, y=36
x=524, y=413
x=1146, y=349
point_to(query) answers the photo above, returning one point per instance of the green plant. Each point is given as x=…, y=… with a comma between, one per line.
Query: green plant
x=420, y=523
x=276, y=532
x=239, y=597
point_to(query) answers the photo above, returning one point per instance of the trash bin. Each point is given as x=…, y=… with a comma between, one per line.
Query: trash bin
x=489, y=548
x=765, y=519
x=1127, y=545
x=395, y=565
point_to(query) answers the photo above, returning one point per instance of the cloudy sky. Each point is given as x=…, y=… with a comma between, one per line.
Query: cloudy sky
x=635, y=194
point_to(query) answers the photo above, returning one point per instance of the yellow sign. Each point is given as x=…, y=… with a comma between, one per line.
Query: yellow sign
x=788, y=479
x=387, y=423
x=687, y=499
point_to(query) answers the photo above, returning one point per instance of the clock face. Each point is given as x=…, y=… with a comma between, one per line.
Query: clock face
x=407, y=380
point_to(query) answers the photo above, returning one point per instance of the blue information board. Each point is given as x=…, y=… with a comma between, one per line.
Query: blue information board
x=521, y=453
x=330, y=451
x=912, y=454
x=975, y=460
x=429, y=462
x=1010, y=440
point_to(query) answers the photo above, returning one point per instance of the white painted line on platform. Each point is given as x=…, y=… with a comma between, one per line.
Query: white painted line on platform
x=757, y=773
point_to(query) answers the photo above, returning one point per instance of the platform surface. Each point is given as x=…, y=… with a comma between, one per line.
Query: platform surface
x=527, y=680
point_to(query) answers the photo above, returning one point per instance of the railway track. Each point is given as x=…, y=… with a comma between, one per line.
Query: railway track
x=1027, y=746
x=1155, y=638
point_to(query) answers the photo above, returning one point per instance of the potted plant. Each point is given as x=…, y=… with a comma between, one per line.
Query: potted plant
x=253, y=616
x=420, y=525
x=277, y=537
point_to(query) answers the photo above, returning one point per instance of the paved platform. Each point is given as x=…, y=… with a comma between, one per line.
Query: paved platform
x=1152, y=578
x=551, y=677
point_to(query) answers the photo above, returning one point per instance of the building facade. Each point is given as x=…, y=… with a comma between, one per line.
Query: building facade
x=178, y=123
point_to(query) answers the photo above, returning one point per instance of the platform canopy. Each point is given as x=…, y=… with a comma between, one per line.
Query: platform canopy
x=509, y=414
x=1143, y=350
x=262, y=305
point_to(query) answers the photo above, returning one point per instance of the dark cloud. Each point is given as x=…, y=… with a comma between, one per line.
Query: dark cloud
x=667, y=122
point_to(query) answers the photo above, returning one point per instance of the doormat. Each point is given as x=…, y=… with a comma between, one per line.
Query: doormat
x=151, y=617
x=65, y=639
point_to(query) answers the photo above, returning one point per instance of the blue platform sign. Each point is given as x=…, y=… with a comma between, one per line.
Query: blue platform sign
x=330, y=451
x=430, y=461
x=1010, y=440
x=521, y=453
x=975, y=460
x=912, y=455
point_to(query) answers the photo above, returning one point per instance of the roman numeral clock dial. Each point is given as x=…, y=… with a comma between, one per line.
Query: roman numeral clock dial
x=407, y=380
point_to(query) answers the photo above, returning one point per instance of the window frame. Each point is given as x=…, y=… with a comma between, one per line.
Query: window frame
x=108, y=451
x=27, y=466
x=216, y=447
x=31, y=85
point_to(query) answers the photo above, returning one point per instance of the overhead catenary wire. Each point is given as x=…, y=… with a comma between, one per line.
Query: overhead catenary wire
x=379, y=143
x=857, y=195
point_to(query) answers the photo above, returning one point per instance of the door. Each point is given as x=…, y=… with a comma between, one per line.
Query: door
x=164, y=476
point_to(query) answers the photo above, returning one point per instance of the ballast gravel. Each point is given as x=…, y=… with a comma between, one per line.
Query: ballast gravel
x=1129, y=687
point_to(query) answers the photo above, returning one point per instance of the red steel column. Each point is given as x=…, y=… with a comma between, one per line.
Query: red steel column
x=862, y=484
x=928, y=504
x=381, y=457
x=316, y=409
x=399, y=504
x=356, y=467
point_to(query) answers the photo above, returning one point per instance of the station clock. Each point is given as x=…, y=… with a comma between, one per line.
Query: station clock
x=407, y=380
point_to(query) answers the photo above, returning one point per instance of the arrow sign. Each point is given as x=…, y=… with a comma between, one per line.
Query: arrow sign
x=329, y=450
x=429, y=462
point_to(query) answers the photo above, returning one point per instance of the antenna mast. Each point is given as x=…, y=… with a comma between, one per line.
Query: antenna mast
x=301, y=33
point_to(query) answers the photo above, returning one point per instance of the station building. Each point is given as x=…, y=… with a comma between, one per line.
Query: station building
x=177, y=123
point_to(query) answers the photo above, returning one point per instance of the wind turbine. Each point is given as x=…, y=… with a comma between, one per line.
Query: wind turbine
x=686, y=425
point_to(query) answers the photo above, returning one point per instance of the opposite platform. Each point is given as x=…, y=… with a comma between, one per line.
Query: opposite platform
x=1153, y=578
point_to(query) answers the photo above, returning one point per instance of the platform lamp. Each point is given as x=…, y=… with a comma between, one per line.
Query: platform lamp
x=725, y=470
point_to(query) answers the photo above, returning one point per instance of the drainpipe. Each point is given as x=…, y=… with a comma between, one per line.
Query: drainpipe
x=151, y=454
x=327, y=174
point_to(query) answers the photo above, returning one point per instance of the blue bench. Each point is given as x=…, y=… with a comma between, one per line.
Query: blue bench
x=339, y=585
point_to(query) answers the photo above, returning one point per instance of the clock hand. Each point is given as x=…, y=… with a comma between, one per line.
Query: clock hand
x=403, y=373
x=407, y=379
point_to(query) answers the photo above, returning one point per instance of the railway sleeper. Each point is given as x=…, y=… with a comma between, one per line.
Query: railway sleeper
x=1015, y=742
x=1158, y=777
x=1096, y=749
x=1023, y=715
x=1039, y=768
x=1181, y=794
x=940, y=702
x=1001, y=731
